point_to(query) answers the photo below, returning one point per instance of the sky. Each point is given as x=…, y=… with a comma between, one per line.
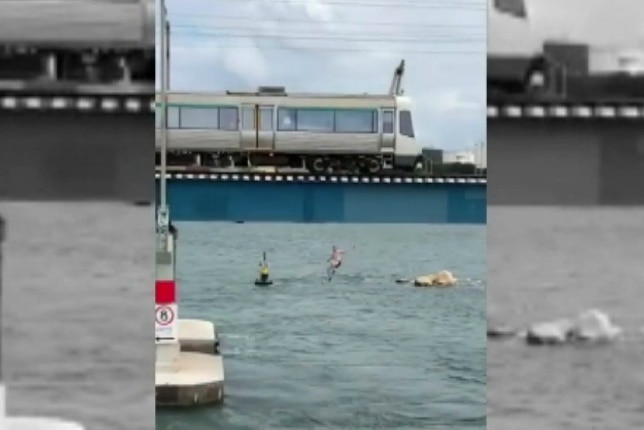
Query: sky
x=603, y=24
x=598, y=22
x=342, y=46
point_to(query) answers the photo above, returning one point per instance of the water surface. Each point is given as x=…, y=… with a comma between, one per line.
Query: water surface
x=547, y=263
x=77, y=324
x=360, y=352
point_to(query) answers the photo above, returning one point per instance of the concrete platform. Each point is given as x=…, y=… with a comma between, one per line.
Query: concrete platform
x=196, y=379
x=198, y=336
x=25, y=423
x=31, y=423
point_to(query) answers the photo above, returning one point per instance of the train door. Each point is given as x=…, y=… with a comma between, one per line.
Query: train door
x=388, y=130
x=257, y=131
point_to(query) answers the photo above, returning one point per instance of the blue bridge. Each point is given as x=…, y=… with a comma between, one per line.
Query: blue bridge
x=570, y=153
x=242, y=197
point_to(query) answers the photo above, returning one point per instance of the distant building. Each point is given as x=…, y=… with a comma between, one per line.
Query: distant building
x=434, y=155
x=480, y=156
x=460, y=157
x=476, y=155
x=582, y=59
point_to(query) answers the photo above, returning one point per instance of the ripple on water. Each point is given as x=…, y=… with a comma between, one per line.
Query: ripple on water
x=580, y=251
x=355, y=353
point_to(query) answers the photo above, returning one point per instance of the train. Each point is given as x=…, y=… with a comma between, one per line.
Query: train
x=322, y=133
x=99, y=42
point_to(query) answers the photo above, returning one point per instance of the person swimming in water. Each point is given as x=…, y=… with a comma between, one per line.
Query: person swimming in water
x=335, y=261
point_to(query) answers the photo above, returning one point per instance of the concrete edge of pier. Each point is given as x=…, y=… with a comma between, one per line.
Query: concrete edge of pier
x=198, y=336
x=197, y=379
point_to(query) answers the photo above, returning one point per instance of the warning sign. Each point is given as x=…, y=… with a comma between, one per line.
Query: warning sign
x=166, y=326
x=164, y=315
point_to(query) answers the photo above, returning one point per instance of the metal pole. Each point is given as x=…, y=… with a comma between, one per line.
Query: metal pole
x=2, y=237
x=164, y=108
x=163, y=212
x=167, y=47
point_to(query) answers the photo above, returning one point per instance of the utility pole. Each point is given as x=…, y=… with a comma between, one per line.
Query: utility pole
x=163, y=212
x=2, y=236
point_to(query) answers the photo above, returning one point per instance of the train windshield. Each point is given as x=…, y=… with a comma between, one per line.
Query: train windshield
x=406, y=124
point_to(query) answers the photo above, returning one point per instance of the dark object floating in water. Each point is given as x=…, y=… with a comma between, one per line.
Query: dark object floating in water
x=534, y=339
x=239, y=222
x=500, y=332
x=261, y=283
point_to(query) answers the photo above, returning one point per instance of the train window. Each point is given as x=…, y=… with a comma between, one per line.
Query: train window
x=315, y=120
x=248, y=118
x=406, y=126
x=173, y=117
x=356, y=121
x=199, y=117
x=228, y=118
x=286, y=119
x=266, y=119
x=388, y=122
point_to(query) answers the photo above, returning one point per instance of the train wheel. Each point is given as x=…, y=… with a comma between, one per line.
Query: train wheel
x=318, y=165
x=334, y=165
x=373, y=165
x=351, y=167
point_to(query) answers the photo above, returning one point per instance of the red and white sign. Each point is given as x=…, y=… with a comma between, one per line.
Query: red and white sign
x=166, y=292
x=166, y=311
x=164, y=315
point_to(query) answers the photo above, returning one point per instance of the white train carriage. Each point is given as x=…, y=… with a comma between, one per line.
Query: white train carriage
x=44, y=43
x=72, y=23
x=323, y=132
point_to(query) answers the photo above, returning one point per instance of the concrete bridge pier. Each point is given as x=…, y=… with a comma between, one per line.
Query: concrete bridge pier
x=189, y=368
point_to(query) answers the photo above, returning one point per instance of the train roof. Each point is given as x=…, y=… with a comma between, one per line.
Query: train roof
x=73, y=24
x=282, y=94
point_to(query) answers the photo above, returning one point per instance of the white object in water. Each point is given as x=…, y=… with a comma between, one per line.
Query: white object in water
x=551, y=332
x=595, y=325
x=31, y=423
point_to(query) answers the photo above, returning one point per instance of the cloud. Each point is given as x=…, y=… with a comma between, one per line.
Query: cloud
x=340, y=46
x=452, y=101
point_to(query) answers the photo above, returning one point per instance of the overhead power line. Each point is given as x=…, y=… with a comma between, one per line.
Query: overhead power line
x=478, y=6
x=315, y=49
x=409, y=40
x=193, y=26
x=194, y=19
x=259, y=31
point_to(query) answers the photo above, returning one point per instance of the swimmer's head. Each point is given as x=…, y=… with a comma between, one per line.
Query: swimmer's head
x=334, y=248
